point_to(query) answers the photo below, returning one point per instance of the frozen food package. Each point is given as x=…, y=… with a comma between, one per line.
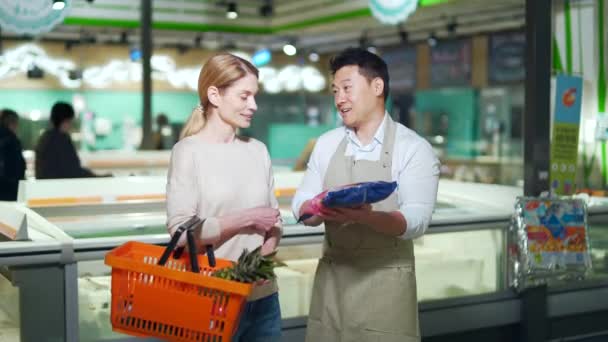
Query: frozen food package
x=351, y=195
x=358, y=194
x=547, y=240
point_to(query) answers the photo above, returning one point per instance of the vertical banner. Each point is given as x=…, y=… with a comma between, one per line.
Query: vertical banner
x=564, y=135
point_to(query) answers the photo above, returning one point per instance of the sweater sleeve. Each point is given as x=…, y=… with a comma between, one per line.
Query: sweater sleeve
x=182, y=197
x=274, y=203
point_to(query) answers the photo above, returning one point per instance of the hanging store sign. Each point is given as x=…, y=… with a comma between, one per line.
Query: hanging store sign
x=401, y=63
x=451, y=64
x=392, y=11
x=31, y=17
x=507, y=57
x=564, y=142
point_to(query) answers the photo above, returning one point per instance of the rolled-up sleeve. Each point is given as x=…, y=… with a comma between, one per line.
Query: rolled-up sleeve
x=183, y=194
x=311, y=182
x=417, y=189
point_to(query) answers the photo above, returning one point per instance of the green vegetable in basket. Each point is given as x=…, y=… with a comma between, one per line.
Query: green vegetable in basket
x=250, y=267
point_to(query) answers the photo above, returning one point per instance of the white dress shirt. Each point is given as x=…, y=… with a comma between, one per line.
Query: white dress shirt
x=415, y=168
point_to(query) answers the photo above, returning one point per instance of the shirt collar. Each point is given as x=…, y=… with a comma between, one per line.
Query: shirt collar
x=378, y=137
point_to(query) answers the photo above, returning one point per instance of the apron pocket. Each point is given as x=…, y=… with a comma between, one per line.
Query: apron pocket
x=392, y=305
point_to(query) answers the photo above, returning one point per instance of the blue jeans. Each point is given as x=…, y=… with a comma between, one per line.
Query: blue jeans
x=260, y=321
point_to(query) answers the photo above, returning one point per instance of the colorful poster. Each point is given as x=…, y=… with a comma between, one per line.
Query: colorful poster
x=548, y=241
x=564, y=142
x=556, y=234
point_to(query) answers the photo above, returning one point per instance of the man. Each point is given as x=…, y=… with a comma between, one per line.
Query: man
x=56, y=156
x=12, y=164
x=365, y=285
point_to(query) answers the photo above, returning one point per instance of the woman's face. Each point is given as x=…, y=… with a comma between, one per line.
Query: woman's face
x=237, y=102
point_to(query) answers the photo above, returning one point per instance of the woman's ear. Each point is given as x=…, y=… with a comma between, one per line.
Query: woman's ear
x=378, y=86
x=214, y=96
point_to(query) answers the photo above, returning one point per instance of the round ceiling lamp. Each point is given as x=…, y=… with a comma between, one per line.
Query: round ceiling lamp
x=392, y=12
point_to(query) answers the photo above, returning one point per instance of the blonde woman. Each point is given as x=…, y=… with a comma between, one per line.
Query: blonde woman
x=227, y=179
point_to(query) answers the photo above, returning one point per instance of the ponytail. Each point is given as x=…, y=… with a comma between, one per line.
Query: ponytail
x=195, y=122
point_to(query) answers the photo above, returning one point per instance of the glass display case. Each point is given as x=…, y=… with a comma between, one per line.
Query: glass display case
x=35, y=265
x=460, y=261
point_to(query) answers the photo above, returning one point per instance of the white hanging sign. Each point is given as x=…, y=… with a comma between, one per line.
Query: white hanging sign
x=392, y=11
x=32, y=16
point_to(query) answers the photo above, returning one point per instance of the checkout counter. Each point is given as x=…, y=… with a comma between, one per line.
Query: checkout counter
x=460, y=262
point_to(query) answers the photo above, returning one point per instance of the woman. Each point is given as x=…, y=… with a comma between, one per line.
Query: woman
x=227, y=179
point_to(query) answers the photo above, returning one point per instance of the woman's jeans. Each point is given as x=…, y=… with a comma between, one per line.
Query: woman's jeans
x=260, y=321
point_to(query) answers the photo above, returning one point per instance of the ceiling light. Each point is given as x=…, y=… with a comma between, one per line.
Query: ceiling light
x=363, y=41
x=75, y=74
x=451, y=26
x=266, y=10
x=197, y=40
x=289, y=49
x=403, y=35
x=34, y=72
x=432, y=39
x=232, y=12
x=313, y=57
x=58, y=5
x=261, y=57
x=124, y=38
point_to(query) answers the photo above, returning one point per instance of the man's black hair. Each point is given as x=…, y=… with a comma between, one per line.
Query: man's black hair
x=370, y=65
x=8, y=117
x=60, y=112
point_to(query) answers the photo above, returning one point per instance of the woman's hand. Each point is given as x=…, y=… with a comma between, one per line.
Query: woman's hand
x=262, y=219
x=270, y=245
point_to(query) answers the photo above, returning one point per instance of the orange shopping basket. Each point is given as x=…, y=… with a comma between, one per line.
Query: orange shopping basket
x=153, y=295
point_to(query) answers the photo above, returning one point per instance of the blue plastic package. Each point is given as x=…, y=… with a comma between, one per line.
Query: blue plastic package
x=359, y=194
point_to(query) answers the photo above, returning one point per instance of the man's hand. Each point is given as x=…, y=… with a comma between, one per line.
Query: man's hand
x=310, y=207
x=344, y=215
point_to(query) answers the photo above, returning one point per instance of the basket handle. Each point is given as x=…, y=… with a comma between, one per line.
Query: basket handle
x=187, y=227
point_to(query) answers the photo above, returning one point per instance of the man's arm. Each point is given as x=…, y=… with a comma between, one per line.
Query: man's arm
x=390, y=223
x=311, y=186
x=417, y=182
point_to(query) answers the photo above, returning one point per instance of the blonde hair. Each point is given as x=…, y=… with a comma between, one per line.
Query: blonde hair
x=221, y=71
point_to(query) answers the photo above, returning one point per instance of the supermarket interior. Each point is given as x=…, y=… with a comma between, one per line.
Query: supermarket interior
x=479, y=80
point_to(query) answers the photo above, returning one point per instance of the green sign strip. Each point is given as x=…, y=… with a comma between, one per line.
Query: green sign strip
x=125, y=23
x=557, y=58
x=601, y=84
x=568, y=24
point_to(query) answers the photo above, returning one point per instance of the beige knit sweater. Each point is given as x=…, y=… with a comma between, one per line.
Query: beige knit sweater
x=213, y=179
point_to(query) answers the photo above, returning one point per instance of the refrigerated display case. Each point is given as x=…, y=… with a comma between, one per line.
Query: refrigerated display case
x=37, y=269
x=460, y=261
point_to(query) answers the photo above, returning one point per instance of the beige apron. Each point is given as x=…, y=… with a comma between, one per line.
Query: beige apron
x=365, y=284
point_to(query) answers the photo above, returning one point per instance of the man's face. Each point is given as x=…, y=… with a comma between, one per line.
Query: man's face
x=356, y=98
